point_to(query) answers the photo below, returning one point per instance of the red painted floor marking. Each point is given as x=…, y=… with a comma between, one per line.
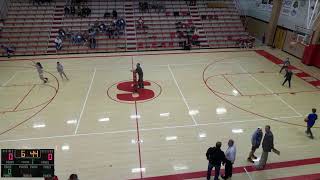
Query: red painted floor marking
x=301, y=177
x=237, y=170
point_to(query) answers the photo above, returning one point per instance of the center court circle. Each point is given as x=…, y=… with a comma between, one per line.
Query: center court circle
x=123, y=92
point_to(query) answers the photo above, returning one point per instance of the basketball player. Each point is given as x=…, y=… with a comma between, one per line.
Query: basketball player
x=40, y=72
x=61, y=71
x=285, y=65
x=288, y=77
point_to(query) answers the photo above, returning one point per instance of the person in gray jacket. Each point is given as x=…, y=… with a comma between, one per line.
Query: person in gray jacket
x=267, y=146
x=255, y=141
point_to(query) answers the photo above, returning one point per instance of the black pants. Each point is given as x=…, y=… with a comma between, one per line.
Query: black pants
x=283, y=67
x=140, y=82
x=309, y=132
x=289, y=81
x=228, y=169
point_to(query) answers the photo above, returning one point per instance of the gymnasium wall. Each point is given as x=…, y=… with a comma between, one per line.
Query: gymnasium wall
x=256, y=27
x=294, y=12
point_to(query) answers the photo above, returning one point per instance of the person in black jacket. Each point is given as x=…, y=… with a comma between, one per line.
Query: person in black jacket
x=215, y=157
x=140, y=75
x=288, y=77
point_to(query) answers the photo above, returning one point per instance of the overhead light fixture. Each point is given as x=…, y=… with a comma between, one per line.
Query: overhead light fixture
x=137, y=170
x=202, y=135
x=165, y=114
x=39, y=125
x=73, y=121
x=103, y=119
x=135, y=116
x=171, y=138
x=65, y=147
x=221, y=110
x=180, y=167
x=237, y=131
x=193, y=112
x=235, y=92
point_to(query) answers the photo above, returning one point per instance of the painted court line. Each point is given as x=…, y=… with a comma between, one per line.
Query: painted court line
x=183, y=98
x=85, y=101
x=24, y=97
x=146, y=129
x=13, y=76
x=268, y=89
x=247, y=173
x=301, y=177
x=239, y=170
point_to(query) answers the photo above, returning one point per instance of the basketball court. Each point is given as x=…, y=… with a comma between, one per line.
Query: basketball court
x=101, y=130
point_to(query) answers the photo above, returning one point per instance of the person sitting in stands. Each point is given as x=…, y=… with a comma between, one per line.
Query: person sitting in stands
x=58, y=43
x=62, y=33
x=73, y=177
x=121, y=23
x=66, y=11
x=110, y=31
x=72, y=10
x=9, y=50
x=102, y=27
x=106, y=14
x=87, y=11
x=114, y=14
x=195, y=36
x=78, y=39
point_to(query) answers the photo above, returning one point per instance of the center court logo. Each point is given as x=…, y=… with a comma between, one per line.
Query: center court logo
x=124, y=92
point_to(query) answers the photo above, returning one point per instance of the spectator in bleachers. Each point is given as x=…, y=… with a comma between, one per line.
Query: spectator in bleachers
x=58, y=43
x=195, y=36
x=92, y=42
x=86, y=11
x=102, y=28
x=114, y=14
x=106, y=14
x=73, y=177
x=62, y=33
x=79, y=38
x=140, y=23
x=66, y=10
x=72, y=10
x=143, y=6
x=9, y=50
x=110, y=31
x=121, y=23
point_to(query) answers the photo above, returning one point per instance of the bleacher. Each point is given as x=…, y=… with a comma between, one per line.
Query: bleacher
x=32, y=29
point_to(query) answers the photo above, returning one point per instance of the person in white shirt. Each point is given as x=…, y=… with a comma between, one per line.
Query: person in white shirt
x=230, y=158
x=61, y=71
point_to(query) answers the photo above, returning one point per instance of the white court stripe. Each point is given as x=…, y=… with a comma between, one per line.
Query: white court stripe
x=85, y=101
x=183, y=98
x=13, y=76
x=247, y=173
x=268, y=89
x=134, y=130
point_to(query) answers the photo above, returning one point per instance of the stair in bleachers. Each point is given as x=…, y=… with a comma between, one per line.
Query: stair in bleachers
x=131, y=37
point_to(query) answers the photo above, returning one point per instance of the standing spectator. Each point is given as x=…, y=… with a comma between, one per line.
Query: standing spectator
x=140, y=23
x=114, y=14
x=230, y=158
x=267, y=146
x=288, y=77
x=73, y=177
x=215, y=157
x=255, y=141
x=66, y=10
x=61, y=71
x=311, y=119
x=285, y=65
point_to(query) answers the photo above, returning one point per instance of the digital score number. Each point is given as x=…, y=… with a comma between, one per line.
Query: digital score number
x=27, y=162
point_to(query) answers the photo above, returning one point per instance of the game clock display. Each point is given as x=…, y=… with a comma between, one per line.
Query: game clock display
x=27, y=162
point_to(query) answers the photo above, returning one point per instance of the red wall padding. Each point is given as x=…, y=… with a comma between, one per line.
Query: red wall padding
x=311, y=55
